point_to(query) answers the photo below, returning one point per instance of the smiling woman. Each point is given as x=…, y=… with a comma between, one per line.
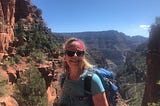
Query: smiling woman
x=74, y=52
x=75, y=70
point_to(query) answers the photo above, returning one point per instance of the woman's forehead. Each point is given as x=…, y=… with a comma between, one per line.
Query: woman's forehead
x=75, y=45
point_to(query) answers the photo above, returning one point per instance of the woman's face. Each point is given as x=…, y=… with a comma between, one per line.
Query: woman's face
x=74, y=54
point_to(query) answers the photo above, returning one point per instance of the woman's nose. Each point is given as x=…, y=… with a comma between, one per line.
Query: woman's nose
x=75, y=54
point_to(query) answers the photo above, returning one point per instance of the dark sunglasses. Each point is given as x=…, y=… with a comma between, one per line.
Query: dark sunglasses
x=71, y=53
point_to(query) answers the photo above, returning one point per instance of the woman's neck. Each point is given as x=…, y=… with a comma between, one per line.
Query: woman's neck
x=75, y=73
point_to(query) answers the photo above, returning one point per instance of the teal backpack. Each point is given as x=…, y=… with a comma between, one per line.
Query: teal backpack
x=108, y=81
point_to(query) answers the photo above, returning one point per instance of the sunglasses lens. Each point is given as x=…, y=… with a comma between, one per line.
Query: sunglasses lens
x=80, y=53
x=71, y=53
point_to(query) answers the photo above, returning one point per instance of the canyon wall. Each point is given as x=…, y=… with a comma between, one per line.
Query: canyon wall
x=12, y=11
x=7, y=21
x=152, y=86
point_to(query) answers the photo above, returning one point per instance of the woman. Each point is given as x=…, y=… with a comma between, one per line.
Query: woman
x=75, y=70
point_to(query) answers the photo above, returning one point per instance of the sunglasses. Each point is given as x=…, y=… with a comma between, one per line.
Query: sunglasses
x=71, y=53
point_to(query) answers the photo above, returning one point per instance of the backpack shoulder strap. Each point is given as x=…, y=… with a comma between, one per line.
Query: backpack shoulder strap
x=62, y=79
x=87, y=87
x=87, y=83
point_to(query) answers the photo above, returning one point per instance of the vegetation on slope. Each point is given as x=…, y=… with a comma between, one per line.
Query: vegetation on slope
x=31, y=89
x=131, y=76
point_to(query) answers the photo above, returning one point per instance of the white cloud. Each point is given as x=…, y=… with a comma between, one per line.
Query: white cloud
x=144, y=26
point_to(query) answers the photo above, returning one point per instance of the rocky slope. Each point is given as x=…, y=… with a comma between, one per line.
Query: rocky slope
x=11, y=12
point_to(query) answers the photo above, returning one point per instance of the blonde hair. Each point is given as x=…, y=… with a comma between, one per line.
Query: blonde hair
x=85, y=64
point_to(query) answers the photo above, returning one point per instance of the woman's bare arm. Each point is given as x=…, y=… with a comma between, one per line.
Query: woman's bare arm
x=100, y=99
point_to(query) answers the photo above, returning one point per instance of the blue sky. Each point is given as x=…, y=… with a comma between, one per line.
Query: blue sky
x=132, y=17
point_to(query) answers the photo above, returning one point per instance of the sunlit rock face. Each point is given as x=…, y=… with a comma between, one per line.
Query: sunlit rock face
x=12, y=11
x=7, y=11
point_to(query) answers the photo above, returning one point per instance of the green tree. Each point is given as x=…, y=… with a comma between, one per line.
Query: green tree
x=37, y=36
x=31, y=89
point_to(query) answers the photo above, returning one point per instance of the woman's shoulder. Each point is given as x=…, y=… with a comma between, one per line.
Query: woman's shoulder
x=95, y=81
x=91, y=73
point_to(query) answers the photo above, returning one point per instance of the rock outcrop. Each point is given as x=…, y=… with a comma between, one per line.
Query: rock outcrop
x=8, y=101
x=152, y=87
x=26, y=10
x=12, y=11
x=7, y=21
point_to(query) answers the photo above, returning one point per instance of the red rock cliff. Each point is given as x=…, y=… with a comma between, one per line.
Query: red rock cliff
x=7, y=10
x=12, y=11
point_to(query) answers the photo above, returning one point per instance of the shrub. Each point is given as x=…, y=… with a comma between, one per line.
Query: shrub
x=31, y=89
x=4, y=87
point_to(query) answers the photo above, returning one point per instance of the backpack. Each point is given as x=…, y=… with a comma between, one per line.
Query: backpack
x=108, y=81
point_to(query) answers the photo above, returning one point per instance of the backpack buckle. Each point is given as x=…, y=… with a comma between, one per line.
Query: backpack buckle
x=83, y=98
